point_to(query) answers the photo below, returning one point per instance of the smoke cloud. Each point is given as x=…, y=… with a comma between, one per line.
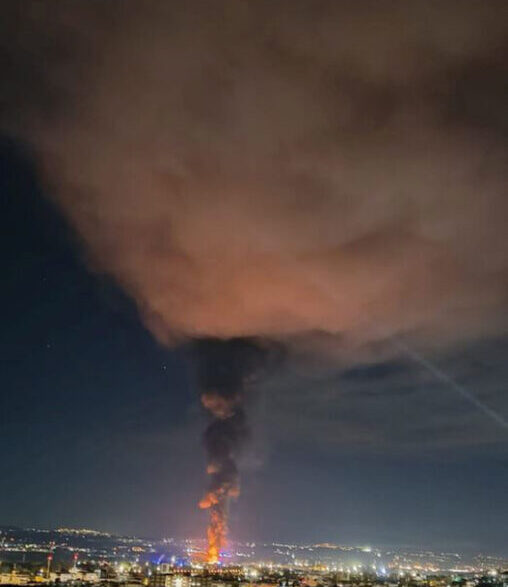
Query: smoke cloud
x=246, y=169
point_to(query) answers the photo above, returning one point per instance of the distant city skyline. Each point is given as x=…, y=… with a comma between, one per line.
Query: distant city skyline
x=71, y=540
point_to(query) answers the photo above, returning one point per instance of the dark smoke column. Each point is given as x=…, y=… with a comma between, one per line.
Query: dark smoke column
x=224, y=368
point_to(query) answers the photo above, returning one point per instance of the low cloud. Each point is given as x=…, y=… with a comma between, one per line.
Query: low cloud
x=250, y=168
x=387, y=407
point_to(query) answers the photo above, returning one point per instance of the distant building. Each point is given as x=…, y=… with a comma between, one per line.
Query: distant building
x=14, y=578
x=162, y=579
x=185, y=579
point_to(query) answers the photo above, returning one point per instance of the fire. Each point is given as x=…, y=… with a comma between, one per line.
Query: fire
x=217, y=502
x=217, y=527
x=216, y=535
x=223, y=369
x=208, y=501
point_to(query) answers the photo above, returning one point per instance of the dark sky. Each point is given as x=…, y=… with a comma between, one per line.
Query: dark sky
x=327, y=177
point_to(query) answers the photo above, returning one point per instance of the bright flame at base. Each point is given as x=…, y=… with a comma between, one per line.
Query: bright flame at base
x=216, y=533
x=216, y=503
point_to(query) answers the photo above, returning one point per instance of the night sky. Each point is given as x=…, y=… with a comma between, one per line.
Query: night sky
x=159, y=184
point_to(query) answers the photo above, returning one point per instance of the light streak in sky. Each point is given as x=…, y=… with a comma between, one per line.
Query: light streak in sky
x=426, y=364
x=445, y=378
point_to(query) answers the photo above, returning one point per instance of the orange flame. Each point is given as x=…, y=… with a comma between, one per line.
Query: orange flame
x=216, y=535
x=216, y=502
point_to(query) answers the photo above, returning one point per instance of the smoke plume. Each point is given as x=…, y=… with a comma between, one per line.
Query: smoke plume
x=263, y=169
x=224, y=370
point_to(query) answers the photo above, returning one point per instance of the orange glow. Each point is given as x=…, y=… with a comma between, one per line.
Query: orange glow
x=216, y=502
x=212, y=468
x=209, y=500
x=234, y=491
x=221, y=407
x=216, y=533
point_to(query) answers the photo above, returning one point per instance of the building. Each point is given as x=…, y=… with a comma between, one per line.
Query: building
x=15, y=578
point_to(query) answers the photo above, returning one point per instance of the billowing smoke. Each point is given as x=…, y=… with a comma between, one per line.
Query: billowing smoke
x=224, y=368
x=259, y=168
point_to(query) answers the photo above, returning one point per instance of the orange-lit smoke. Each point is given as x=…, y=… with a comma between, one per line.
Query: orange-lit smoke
x=333, y=167
x=217, y=526
x=222, y=486
x=223, y=368
x=219, y=406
